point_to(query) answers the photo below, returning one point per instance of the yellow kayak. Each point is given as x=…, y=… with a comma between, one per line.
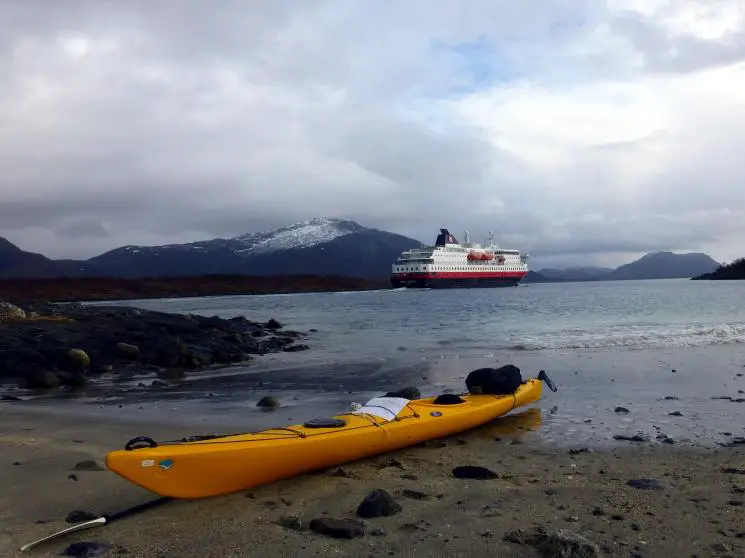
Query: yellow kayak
x=211, y=466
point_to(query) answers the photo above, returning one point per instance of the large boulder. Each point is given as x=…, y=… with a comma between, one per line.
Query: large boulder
x=77, y=360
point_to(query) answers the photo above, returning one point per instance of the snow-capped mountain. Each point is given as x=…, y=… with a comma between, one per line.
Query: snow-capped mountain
x=322, y=246
x=300, y=235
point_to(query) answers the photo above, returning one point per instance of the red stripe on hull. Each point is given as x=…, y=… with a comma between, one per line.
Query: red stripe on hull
x=459, y=275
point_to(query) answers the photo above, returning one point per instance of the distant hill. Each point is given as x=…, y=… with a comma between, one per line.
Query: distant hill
x=15, y=262
x=655, y=265
x=321, y=246
x=665, y=265
x=535, y=277
x=730, y=271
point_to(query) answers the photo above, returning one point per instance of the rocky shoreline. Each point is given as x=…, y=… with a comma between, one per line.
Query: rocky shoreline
x=48, y=346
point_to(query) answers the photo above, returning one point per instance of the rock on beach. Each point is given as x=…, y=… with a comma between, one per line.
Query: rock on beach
x=45, y=346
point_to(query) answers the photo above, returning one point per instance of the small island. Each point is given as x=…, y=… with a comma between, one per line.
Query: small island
x=730, y=271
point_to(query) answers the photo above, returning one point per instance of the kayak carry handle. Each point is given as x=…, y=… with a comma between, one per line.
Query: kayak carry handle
x=544, y=377
x=146, y=442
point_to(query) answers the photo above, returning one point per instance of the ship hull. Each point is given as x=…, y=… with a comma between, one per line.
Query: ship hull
x=464, y=281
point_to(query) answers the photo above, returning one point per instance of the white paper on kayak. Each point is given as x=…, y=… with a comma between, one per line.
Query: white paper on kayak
x=384, y=407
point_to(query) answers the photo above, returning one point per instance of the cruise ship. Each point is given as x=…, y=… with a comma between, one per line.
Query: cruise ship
x=449, y=264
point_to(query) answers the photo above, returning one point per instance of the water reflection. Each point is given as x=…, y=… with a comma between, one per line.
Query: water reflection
x=513, y=426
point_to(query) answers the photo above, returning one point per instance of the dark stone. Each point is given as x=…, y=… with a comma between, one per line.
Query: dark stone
x=378, y=503
x=273, y=324
x=645, y=484
x=474, y=472
x=578, y=451
x=268, y=402
x=621, y=410
x=86, y=549
x=10, y=398
x=634, y=438
x=676, y=414
x=337, y=528
x=127, y=351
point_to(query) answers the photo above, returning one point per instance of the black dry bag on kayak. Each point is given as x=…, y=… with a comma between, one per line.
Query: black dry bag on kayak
x=495, y=381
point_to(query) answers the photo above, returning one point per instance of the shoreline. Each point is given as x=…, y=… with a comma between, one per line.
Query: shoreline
x=699, y=509
x=101, y=289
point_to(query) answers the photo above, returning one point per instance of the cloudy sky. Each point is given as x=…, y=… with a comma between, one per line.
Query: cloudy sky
x=580, y=131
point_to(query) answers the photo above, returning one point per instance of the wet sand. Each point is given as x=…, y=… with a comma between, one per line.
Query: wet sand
x=698, y=512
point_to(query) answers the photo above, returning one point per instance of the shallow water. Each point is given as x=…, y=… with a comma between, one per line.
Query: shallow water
x=604, y=344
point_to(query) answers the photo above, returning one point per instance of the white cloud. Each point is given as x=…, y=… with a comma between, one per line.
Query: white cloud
x=571, y=126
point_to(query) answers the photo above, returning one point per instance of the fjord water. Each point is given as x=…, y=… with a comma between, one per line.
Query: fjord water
x=653, y=347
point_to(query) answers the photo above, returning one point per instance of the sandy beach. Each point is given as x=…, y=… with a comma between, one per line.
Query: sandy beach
x=697, y=509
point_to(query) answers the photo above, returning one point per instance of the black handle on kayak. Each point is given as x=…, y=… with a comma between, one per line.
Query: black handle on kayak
x=135, y=509
x=140, y=442
x=544, y=377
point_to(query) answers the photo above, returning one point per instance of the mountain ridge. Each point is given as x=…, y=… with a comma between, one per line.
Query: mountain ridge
x=322, y=246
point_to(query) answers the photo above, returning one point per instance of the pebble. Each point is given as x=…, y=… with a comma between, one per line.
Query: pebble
x=645, y=484
x=378, y=503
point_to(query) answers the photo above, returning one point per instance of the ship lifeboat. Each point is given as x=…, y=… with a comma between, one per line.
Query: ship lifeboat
x=488, y=256
x=474, y=256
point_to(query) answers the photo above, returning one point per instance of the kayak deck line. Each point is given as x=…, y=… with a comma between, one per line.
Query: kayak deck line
x=375, y=421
